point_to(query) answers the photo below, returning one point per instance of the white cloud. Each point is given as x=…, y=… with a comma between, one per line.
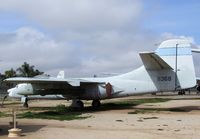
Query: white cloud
x=77, y=14
x=168, y=35
x=108, y=52
x=80, y=34
x=27, y=44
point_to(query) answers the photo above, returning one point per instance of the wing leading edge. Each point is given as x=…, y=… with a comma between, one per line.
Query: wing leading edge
x=72, y=82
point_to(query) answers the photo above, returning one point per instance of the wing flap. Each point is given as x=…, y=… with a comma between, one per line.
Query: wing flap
x=152, y=61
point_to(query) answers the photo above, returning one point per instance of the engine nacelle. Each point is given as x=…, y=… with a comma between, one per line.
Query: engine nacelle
x=101, y=91
x=105, y=91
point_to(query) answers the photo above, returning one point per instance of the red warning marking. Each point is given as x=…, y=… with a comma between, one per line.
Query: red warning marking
x=108, y=89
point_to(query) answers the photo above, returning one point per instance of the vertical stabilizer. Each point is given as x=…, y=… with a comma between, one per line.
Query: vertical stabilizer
x=178, y=54
x=61, y=75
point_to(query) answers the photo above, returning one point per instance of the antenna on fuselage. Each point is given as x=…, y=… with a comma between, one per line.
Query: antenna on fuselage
x=176, y=58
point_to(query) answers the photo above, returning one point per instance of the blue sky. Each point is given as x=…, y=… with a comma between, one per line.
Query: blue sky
x=11, y=21
x=180, y=17
x=86, y=37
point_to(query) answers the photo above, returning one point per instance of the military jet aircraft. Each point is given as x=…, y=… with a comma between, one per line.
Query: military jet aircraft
x=169, y=68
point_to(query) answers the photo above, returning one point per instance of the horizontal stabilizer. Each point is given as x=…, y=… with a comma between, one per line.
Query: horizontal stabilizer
x=152, y=61
x=196, y=50
x=198, y=80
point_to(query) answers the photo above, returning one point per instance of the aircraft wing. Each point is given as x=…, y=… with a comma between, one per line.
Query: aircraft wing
x=152, y=61
x=75, y=82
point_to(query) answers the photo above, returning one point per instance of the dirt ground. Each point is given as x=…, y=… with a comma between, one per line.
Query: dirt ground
x=117, y=124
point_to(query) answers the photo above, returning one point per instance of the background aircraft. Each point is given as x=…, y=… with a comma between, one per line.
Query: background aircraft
x=169, y=68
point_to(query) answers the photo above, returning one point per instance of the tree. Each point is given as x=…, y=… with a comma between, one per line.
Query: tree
x=28, y=71
x=10, y=73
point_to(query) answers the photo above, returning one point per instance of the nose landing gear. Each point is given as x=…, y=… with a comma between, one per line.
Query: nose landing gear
x=25, y=100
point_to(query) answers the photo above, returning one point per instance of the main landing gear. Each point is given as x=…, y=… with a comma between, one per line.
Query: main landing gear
x=78, y=104
x=96, y=103
x=181, y=92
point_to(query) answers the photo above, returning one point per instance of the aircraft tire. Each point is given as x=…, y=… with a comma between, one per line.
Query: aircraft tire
x=80, y=104
x=96, y=103
x=182, y=92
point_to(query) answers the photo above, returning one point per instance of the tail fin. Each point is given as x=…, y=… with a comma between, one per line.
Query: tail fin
x=177, y=53
x=61, y=75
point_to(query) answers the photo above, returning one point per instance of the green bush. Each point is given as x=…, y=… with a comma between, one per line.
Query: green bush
x=61, y=108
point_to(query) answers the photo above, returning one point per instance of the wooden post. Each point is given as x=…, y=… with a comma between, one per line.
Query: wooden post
x=14, y=118
x=14, y=132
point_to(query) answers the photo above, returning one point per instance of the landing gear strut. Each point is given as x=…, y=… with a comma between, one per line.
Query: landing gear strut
x=96, y=103
x=25, y=104
x=3, y=100
x=80, y=104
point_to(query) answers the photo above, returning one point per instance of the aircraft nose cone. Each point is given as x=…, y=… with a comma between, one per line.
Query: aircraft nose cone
x=9, y=90
x=10, y=94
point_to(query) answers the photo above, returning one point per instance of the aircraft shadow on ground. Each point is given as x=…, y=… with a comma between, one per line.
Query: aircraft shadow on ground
x=110, y=106
x=103, y=107
x=172, y=109
x=121, y=105
x=114, y=106
x=184, y=108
